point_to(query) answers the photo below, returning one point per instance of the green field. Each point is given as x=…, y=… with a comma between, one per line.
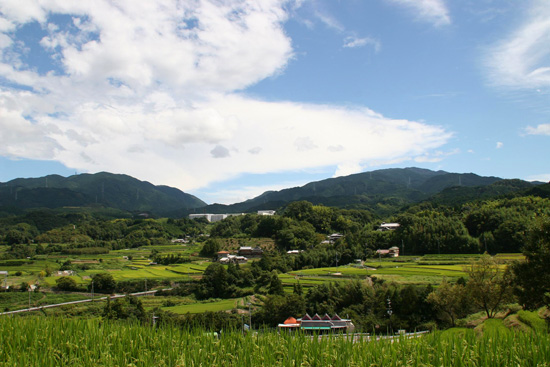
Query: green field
x=134, y=264
x=199, y=307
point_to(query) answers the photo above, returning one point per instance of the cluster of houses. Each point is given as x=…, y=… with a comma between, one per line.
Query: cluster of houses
x=244, y=253
x=318, y=324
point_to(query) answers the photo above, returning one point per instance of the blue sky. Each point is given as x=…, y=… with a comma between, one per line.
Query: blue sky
x=226, y=99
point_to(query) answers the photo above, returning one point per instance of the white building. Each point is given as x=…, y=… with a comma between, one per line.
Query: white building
x=266, y=212
x=388, y=226
x=213, y=217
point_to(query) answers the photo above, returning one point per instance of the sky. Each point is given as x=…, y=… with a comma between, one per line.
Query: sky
x=226, y=99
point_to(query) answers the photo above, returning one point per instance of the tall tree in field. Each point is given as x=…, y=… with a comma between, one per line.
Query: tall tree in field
x=489, y=284
x=532, y=277
x=450, y=299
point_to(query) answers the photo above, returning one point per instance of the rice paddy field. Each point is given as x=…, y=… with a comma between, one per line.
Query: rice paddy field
x=52, y=342
x=199, y=307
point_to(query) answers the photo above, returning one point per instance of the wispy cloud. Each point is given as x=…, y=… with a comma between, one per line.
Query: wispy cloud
x=351, y=40
x=499, y=144
x=522, y=59
x=542, y=129
x=354, y=42
x=431, y=11
x=436, y=156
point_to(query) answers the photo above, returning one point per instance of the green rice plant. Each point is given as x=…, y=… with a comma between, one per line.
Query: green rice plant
x=45, y=342
x=532, y=319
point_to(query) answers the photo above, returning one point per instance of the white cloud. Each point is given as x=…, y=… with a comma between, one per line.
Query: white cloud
x=150, y=89
x=545, y=177
x=353, y=42
x=347, y=168
x=522, y=59
x=542, y=129
x=499, y=144
x=432, y=11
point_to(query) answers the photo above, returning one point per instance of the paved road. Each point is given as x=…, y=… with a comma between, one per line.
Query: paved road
x=137, y=294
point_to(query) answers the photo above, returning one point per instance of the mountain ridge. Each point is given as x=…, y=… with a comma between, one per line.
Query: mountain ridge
x=105, y=189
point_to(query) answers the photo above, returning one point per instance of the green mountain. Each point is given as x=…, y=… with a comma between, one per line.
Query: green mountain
x=382, y=191
x=101, y=189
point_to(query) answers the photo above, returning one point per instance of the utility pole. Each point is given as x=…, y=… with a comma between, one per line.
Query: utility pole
x=390, y=311
x=249, y=317
x=92, y=290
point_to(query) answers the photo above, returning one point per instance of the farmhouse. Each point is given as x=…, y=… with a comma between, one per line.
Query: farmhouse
x=391, y=252
x=222, y=254
x=319, y=324
x=250, y=251
x=235, y=259
x=331, y=239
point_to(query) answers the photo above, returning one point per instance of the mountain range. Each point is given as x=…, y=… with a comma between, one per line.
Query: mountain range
x=381, y=191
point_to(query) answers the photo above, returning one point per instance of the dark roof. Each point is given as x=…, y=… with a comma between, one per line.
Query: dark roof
x=336, y=317
x=306, y=317
x=316, y=317
x=326, y=317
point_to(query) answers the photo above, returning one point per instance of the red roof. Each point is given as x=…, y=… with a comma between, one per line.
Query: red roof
x=223, y=252
x=290, y=320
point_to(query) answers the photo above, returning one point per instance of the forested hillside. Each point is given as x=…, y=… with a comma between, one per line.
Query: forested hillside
x=100, y=190
x=384, y=192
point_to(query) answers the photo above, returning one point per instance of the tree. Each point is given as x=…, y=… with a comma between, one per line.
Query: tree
x=104, y=283
x=129, y=307
x=532, y=277
x=277, y=308
x=66, y=284
x=214, y=282
x=450, y=300
x=210, y=248
x=489, y=284
x=275, y=285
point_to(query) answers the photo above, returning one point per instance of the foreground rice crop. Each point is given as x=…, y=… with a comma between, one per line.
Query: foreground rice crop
x=77, y=342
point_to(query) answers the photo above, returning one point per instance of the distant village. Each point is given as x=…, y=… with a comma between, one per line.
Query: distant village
x=244, y=253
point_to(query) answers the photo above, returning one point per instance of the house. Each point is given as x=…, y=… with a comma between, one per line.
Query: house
x=294, y=252
x=250, y=251
x=319, y=324
x=331, y=239
x=65, y=273
x=222, y=254
x=290, y=324
x=266, y=212
x=388, y=226
x=235, y=259
x=391, y=252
